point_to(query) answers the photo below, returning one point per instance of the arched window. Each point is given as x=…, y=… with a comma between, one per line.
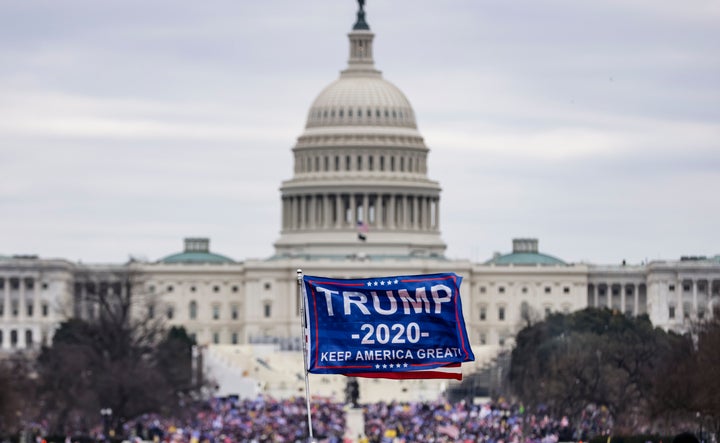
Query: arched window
x=193, y=310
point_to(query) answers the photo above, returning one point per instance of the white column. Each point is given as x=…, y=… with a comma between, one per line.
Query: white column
x=326, y=211
x=293, y=213
x=365, y=209
x=379, y=210
x=6, y=314
x=6, y=298
x=636, y=300
x=609, y=294
x=353, y=211
x=679, y=295
x=596, y=289
x=338, y=210
x=392, y=216
x=695, y=297
x=312, y=221
x=21, y=315
x=405, y=200
x=623, y=288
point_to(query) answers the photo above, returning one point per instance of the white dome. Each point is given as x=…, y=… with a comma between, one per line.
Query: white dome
x=361, y=100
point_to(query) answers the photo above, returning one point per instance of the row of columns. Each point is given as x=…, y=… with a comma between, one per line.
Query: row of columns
x=367, y=162
x=21, y=295
x=711, y=287
x=336, y=211
x=19, y=337
x=626, y=290
x=19, y=329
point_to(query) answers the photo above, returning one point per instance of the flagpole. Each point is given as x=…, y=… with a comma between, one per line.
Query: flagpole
x=303, y=323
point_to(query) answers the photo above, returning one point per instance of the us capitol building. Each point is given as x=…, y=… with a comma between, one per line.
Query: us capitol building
x=360, y=203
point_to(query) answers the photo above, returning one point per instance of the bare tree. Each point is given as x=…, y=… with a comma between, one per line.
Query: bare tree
x=113, y=355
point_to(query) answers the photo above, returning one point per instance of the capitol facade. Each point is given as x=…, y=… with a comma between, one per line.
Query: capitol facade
x=360, y=203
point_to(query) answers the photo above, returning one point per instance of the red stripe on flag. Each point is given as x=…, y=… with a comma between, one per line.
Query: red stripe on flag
x=452, y=371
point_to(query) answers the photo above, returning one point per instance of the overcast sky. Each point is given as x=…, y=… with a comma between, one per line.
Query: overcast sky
x=127, y=125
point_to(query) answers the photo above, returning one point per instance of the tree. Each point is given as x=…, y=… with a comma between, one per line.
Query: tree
x=118, y=357
x=17, y=388
x=590, y=357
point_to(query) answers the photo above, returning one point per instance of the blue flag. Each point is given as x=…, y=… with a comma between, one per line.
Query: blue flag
x=389, y=327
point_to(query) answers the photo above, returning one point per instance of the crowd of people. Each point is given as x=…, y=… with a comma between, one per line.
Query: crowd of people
x=231, y=420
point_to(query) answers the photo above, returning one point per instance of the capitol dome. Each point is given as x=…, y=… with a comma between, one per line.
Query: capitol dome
x=360, y=186
x=361, y=100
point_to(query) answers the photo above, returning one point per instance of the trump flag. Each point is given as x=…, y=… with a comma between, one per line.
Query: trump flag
x=399, y=327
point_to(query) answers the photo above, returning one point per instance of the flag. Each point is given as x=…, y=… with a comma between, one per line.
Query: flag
x=400, y=327
x=451, y=431
x=363, y=229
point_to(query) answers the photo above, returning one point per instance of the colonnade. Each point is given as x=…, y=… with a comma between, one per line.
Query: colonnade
x=690, y=297
x=347, y=210
x=612, y=293
x=17, y=308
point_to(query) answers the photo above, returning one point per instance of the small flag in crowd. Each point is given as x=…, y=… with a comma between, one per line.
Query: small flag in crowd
x=363, y=229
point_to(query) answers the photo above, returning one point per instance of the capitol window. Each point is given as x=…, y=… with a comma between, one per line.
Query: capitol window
x=216, y=312
x=566, y=290
x=267, y=308
x=501, y=313
x=483, y=313
x=193, y=310
x=671, y=311
x=548, y=289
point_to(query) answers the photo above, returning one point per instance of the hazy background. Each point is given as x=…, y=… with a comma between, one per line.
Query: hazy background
x=128, y=125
